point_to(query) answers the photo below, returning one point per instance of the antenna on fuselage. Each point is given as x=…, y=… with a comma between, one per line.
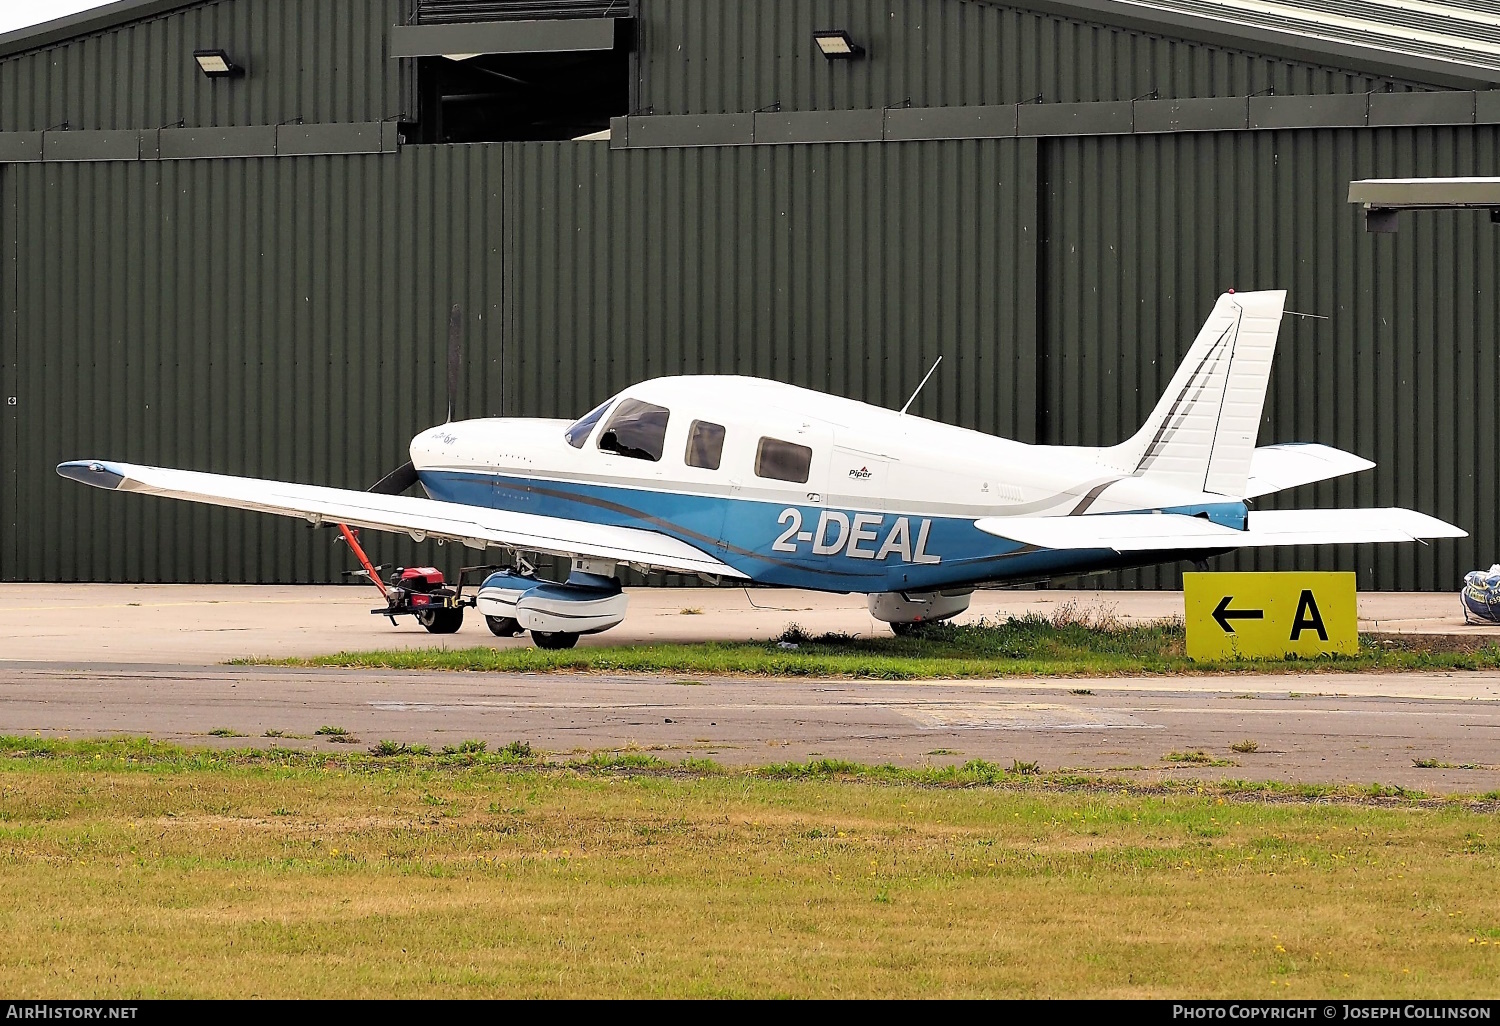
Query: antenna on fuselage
x=455, y=357
x=921, y=386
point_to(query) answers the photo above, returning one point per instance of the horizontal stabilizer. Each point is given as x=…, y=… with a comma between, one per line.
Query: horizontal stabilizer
x=1346, y=527
x=1276, y=468
x=1174, y=532
x=473, y=526
x=1123, y=532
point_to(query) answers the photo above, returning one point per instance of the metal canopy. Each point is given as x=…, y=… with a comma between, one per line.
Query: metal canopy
x=498, y=37
x=1385, y=198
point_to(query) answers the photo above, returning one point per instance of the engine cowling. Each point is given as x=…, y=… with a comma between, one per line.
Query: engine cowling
x=915, y=607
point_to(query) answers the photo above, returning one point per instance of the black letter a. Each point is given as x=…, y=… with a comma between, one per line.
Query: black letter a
x=1313, y=621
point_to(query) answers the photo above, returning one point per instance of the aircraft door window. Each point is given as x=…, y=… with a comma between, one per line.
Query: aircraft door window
x=705, y=448
x=783, y=461
x=578, y=434
x=637, y=430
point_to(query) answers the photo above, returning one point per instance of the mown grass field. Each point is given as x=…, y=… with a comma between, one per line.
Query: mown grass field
x=134, y=869
x=1067, y=645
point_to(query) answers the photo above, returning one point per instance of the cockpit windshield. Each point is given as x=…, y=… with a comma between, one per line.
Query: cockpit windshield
x=578, y=434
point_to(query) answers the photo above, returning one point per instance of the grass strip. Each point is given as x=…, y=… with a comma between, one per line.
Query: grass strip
x=133, y=869
x=1061, y=646
x=137, y=754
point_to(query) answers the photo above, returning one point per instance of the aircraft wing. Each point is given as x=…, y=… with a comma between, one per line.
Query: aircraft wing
x=1173, y=532
x=1275, y=468
x=473, y=526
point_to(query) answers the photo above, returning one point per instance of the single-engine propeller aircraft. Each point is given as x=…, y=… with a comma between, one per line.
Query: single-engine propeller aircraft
x=747, y=480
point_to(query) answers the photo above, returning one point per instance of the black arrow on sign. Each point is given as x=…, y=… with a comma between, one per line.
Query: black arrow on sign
x=1223, y=614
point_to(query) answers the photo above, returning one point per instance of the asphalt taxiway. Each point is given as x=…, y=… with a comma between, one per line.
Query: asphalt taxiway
x=92, y=661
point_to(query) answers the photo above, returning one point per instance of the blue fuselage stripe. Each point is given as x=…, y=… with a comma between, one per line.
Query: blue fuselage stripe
x=802, y=546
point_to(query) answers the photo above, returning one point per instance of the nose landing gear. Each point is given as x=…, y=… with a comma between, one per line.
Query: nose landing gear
x=505, y=626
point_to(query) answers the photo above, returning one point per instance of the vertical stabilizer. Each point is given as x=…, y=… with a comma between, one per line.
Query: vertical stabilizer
x=1202, y=434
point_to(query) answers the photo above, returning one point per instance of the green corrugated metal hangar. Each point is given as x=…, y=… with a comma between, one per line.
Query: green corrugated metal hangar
x=231, y=232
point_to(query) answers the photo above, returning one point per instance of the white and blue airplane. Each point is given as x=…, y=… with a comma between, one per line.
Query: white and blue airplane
x=747, y=480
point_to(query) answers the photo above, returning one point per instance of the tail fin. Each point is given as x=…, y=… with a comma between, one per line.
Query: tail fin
x=1202, y=434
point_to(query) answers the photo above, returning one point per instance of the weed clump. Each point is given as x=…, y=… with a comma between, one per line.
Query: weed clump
x=389, y=749
x=1097, y=617
x=606, y=762
x=1245, y=747
x=337, y=735
x=1196, y=758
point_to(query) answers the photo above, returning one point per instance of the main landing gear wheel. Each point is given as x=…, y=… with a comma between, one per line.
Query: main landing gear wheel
x=554, y=642
x=907, y=630
x=442, y=621
x=505, y=626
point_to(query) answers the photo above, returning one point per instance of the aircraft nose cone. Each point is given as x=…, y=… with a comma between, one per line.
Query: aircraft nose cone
x=434, y=444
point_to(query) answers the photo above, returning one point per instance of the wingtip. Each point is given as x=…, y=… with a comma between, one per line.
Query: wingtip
x=93, y=473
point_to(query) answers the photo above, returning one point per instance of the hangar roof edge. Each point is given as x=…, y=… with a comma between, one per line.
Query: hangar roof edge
x=60, y=30
x=1296, y=29
x=1341, y=33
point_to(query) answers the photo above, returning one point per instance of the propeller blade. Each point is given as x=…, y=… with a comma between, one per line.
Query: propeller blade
x=397, y=481
x=455, y=357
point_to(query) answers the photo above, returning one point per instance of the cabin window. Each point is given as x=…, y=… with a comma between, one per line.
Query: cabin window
x=578, y=434
x=783, y=461
x=637, y=430
x=705, y=448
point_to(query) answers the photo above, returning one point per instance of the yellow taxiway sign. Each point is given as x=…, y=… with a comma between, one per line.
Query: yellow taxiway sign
x=1269, y=616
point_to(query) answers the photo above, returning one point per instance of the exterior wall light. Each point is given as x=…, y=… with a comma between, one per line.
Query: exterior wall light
x=837, y=46
x=216, y=64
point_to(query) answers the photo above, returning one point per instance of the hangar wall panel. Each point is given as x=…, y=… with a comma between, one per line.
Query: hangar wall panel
x=320, y=62
x=286, y=317
x=727, y=56
x=9, y=351
x=848, y=268
x=282, y=318
x=1143, y=233
x=310, y=348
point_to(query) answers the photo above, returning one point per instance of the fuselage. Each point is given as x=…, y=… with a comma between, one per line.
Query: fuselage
x=795, y=487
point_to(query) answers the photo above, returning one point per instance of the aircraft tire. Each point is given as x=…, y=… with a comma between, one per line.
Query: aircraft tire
x=505, y=626
x=554, y=642
x=906, y=630
x=442, y=621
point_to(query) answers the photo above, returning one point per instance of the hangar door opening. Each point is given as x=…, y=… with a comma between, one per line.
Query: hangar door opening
x=525, y=81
